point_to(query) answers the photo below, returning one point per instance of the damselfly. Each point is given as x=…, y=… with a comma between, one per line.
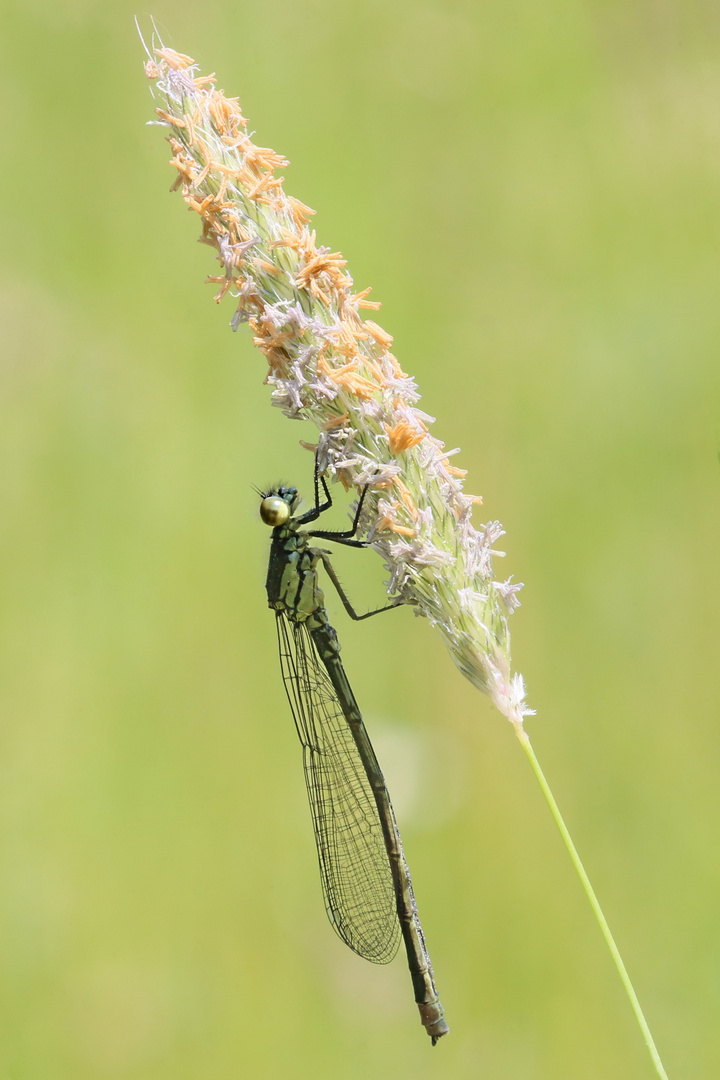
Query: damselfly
x=366, y=882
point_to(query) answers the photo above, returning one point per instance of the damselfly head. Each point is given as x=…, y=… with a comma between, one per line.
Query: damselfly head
x=277, y=506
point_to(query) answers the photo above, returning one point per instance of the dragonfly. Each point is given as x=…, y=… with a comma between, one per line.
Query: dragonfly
x=366, y=883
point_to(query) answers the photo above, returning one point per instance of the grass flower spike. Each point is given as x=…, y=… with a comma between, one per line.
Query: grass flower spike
x=328, y=365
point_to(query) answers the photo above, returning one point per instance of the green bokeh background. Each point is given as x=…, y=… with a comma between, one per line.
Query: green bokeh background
x=534, y=193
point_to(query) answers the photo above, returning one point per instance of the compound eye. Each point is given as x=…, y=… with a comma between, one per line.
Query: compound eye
x=274, y=511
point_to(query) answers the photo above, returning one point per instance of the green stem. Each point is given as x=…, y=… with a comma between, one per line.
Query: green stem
x=595, y=905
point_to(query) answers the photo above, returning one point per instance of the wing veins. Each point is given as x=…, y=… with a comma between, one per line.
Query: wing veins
x=354, y=867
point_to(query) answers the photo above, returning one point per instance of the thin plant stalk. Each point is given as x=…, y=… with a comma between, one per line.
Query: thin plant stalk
x=595, y=905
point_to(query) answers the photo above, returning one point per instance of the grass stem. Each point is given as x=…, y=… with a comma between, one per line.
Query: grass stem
x=597, y=910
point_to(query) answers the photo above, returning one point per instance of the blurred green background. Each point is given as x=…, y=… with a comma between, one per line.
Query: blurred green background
x=534, y=193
